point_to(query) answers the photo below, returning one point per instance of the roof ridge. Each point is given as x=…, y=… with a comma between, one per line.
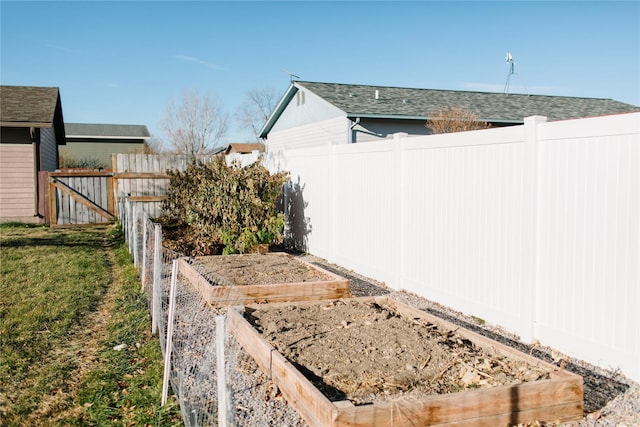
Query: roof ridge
x=453, y=90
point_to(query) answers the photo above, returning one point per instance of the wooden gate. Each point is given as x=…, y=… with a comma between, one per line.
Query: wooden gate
x=80, y=198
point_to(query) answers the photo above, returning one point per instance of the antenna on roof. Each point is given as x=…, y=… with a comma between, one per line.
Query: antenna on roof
x=291, y=76
x=512, y=71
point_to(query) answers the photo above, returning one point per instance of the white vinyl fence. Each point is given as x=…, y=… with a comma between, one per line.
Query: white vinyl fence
x=534, y=227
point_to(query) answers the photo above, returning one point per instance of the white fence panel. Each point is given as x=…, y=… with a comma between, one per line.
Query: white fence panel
x=588, y=281
x=535, y=227
x=308, y=200
x=365, y=204
x=463, y=212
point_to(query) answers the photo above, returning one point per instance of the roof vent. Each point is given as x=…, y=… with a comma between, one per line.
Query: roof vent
x=377, y=94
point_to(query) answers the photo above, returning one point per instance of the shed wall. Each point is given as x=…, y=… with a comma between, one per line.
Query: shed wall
x=17, y=183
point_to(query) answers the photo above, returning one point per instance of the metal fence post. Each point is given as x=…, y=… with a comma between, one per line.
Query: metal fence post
x=143, y=275
x=169, y=340
x=157, y=277
x=136, y=233
x=220, y=373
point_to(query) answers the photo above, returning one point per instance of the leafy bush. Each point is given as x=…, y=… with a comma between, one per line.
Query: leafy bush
x=224, y=208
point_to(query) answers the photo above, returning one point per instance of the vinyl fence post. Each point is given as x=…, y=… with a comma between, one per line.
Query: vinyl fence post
x=169, y=340
x=331, y=162
x=528, y=328
x=400, y=186
x=157, y=277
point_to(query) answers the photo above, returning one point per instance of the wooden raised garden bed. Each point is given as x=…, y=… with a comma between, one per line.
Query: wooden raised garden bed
x=259, y=278
x=387, y=364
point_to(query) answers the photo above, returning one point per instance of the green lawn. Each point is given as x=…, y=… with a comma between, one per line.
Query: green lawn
x=67, y=297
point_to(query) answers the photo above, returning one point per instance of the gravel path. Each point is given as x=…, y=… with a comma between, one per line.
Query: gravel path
x=610, y=399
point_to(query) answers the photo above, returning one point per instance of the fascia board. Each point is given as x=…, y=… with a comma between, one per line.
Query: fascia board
x=399, y=117
x=282, y=104
x=69, y=137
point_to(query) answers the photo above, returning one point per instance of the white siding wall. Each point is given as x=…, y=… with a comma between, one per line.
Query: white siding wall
x=308, y=121
x=305, y=108
x=17, y=183
x=534, y=227
x=310, y=135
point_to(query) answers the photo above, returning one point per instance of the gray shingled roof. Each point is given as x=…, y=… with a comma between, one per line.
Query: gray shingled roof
x=28, y=104
x=359, y=100
x=113, y=131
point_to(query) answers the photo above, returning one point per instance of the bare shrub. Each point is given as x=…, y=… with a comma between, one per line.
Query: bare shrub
x=454, y=119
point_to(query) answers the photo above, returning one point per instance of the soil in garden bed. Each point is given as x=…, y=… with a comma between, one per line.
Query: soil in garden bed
x=260, y=269
x=368, y=353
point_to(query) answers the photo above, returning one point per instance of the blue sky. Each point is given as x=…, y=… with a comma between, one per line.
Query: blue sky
x=120, y=62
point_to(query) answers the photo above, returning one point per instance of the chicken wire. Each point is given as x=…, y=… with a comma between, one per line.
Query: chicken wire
x=253, y=399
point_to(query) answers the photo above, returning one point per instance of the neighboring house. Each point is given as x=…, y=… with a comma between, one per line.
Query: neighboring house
x=244, y=148
x=311, y=113
x=93, y=144
x=32, y=129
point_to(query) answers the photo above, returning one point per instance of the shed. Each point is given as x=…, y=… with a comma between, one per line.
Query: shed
x=32, y=129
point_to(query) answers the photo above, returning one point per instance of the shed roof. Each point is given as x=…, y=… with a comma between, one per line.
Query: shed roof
x=244, y=147
x=418, y=104
x=28, y=104
x=106, y=131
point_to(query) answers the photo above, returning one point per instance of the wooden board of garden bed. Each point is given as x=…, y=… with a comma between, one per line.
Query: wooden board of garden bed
x=373, y=361
x=259, y=278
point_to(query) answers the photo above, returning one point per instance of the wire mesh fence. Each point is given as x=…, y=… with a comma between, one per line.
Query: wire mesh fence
x=187, y=328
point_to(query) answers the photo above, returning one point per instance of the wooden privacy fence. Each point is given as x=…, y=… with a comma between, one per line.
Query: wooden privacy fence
x=143, y=178
x=85, y=197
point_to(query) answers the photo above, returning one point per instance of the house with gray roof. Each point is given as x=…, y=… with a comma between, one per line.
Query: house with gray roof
x=313, y=113
x=31, y=132
x=93, y=144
